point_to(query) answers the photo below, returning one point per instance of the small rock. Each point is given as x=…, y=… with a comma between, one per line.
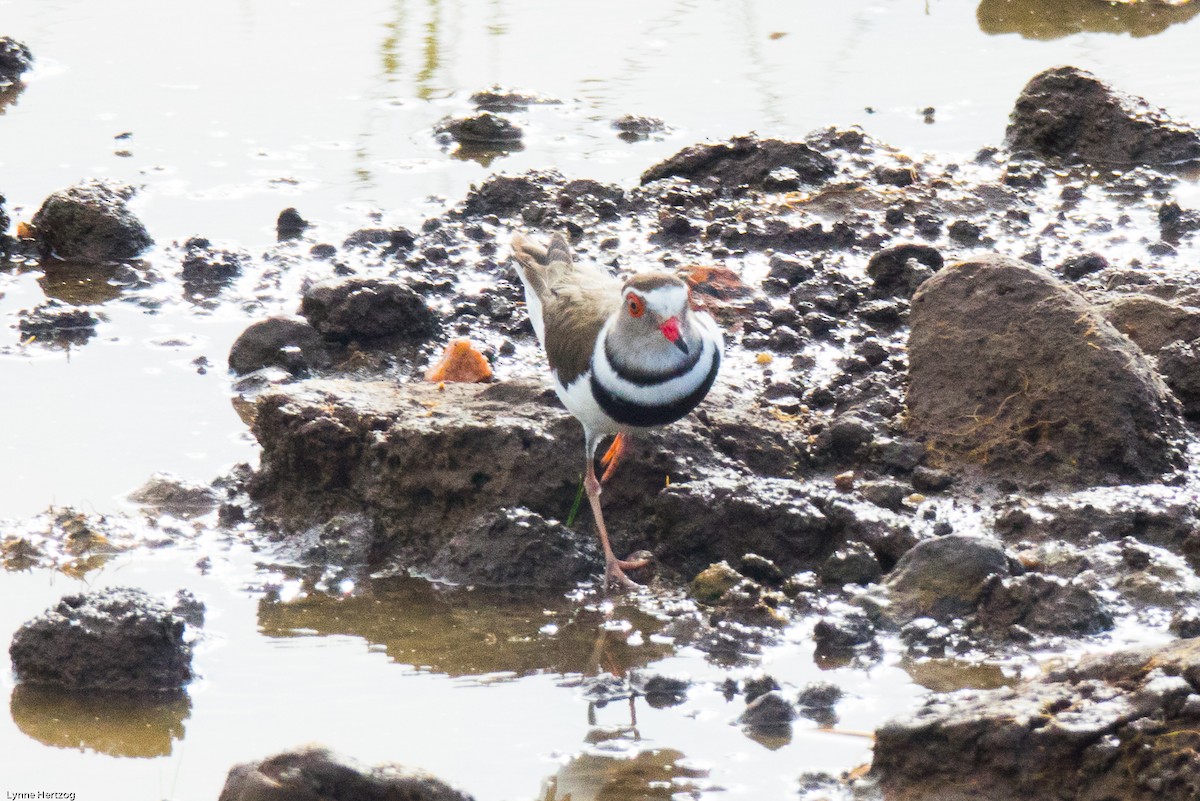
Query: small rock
x=1077, y=267
x=172, y=494
x=1179, y=364
x=515, y=548
x=841, y=633
x=944, y=578
x=358, y=308
x=930, y=479
x=91, y=223
x=713, y=582
x=206, y=265
x=900, y=269
x=661, y=691
x=498, y=98
x=15, y=58
x=483, y=129
x=315, y=773
x=55, y=322
x=768, y=711
x=118, y=638
x=290, y=225
x=854, y=563
x=634, y=128
x=743, y=162
x=283, y=341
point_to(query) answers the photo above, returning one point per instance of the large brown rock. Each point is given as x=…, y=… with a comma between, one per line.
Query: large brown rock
x=314, y=773
x=1069, y=113
x=430, y=466
x=1012, y=369
x=1124, y=725
x=1151, y=322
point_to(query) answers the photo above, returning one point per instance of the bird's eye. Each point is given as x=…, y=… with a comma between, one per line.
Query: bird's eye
x=636, y=306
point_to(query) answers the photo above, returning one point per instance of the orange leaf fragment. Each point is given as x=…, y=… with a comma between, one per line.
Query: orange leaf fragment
x=461, y=363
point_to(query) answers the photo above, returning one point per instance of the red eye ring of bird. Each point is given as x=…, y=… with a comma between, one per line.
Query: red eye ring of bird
x=635, y=305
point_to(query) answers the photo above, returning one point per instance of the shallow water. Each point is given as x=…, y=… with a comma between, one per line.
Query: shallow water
x=236, y=109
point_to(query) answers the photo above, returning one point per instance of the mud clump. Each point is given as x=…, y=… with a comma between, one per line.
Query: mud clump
x=57, y=323
x=1118, y=725
x=484, y=129
x=290, y=343
x=944, y=578
x=1068, y=113
x=515, y=548
x=15, y=59
x=745, y=162
x=1010, y=369
x=112, y=639
x=315, y=773
x=355, y=308
x=91, y=222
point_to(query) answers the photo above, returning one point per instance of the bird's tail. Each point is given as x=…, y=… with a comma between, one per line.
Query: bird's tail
x=538, y=264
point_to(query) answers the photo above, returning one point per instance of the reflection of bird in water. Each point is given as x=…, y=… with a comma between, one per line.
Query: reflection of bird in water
x=624, y=357
x=648, y=774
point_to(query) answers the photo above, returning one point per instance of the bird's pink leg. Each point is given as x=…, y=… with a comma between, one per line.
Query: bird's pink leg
x=614, y=568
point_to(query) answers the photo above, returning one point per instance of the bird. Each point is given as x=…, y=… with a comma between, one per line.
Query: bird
x=624, y=356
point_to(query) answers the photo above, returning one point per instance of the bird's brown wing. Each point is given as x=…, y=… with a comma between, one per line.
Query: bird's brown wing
x=576, y=300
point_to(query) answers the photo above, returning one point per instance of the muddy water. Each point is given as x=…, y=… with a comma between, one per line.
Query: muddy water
x=228, y=111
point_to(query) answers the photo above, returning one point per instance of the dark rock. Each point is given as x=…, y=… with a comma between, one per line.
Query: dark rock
x=290, y=225
x=498, y=98
x=819, y=695
x=483, y=129
x=1174, y=222
x=1152, y=323
x=1185, y=623
x=634, y=127
x=1012, y=370
x=760, y=569
x=701, y=522
x=57, y=323
x=711, y=583
x=944, y=578
x=190, y=608
x=900, y=269
x=743, y=163
x=390, y=241
x=1117, y=725
x=886, y=493
x=315, y=773
x=172, y=494
x=204, y=264
x=768, y=711
x=841, y=633
x=1165, y=518
x=516, y=548
x=660, y=690
x=91, y=223
x=358, y=308
x=512, y=195
x=758, y=686
x=1068, y=113
x=15, y=58
x=1043, y=604
x=1078, y=266
x=112, y=639
x=1179, y=364
x=855, y=563
x=965, y=232
x=287, y=342
x=930, y=479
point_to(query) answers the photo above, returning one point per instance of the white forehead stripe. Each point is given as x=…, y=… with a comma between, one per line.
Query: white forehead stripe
x=667, y=301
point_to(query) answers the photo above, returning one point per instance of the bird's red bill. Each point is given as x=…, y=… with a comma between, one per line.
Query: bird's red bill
x=670, y=329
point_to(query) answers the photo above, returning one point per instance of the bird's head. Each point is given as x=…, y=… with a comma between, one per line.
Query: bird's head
x=655, y=312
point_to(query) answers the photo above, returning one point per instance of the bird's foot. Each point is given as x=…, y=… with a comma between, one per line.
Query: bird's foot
x=614, y=571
